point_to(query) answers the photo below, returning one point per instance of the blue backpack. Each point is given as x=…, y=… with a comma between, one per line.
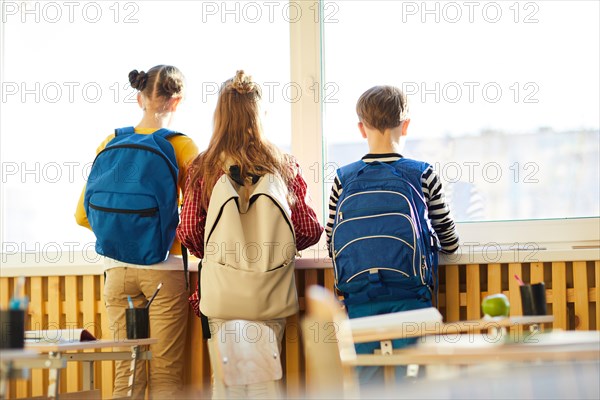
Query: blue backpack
x=131, y=197
x=383, y=245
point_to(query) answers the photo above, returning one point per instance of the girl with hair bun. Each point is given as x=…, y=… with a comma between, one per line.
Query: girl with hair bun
x=160, y=91
x=239, y=149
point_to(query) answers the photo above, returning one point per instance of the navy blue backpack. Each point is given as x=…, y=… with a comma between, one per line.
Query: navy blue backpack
x=131, y=197
x=383, y=245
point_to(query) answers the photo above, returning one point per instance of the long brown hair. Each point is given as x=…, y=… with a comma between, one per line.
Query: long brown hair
x=238, y=139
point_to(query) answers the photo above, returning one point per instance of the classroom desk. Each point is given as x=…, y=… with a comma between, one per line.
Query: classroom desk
x=10, y=357
x=446, y=357
x=476, y=348
x=557, y=380
x=54, y=357
x=385, y=327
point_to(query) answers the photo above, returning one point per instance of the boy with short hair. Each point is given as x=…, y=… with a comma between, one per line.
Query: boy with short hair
x=375, y=253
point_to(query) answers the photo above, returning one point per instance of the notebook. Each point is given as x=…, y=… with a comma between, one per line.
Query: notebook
x=59, y=336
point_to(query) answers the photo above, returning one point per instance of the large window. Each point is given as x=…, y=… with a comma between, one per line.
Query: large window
x=504, y=97
x=65, y=88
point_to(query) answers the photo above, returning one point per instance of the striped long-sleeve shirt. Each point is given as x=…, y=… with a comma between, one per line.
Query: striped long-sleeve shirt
x=438, y=210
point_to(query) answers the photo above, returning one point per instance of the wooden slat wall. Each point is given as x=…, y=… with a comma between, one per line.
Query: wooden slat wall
x=450, y=291
x=569, y=286
x=596, y=295
x=580, y=285
x=559, y=294
x=572, y=293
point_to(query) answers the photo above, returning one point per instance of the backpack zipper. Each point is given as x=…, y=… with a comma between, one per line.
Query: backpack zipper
x=423, y=268
x=374, y=211
x=140, y=147
x=378, y=268
x=412, y=212
x=144, y=212
x=373, y=216
x=411, y=203
x=372, y=237
x=376, y=236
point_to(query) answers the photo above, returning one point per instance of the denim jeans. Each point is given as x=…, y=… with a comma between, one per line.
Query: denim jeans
x=373, y=376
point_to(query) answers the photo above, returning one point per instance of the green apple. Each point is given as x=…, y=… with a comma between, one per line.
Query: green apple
x=496, y=305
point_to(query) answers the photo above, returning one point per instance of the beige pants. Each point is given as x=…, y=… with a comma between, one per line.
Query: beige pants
x=168, y=324
x=264, y=390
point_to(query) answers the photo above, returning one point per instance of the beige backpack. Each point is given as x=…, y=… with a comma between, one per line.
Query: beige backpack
x=249, y=252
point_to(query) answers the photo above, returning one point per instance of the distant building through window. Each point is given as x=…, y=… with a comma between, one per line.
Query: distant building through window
x=511, y=127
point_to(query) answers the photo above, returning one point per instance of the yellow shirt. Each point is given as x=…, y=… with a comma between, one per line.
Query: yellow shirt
x=185, y=152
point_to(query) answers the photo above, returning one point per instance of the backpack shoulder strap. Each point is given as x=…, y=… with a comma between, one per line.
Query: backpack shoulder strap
x=167, y=133
x=222, y=193
x=348, y=171
x=407, y=163
x=128, y=130
x=412, y=171
x=272, y=185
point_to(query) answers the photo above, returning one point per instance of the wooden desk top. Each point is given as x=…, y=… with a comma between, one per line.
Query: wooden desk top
x=16, y=354
x=389, y=330
x=475, y=348
x=45, y=347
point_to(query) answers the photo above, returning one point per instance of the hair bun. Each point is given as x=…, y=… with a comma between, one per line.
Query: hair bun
x=172, y=86
x=243, y=83
x=138, y=80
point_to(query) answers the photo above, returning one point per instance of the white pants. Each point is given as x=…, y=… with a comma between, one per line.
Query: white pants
x=220, y=390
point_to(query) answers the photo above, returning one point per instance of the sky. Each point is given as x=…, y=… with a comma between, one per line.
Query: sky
x=469, y=67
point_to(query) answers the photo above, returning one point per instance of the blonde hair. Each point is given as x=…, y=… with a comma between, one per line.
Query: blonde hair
x=238, y=139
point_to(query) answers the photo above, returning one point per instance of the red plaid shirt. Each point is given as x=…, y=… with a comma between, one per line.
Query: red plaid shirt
x=193, y=218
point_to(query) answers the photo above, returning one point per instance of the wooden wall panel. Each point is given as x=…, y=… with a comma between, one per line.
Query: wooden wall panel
x=473, y=292
x=452, y=293
x=580, y=284
x=558, y=295
x=596, y=298
x=62, y=302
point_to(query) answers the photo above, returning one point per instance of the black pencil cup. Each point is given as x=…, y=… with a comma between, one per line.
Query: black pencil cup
x=138, y=323
x=12, y=329
x=533, y=299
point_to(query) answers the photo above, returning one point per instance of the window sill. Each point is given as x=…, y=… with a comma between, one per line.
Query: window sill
x=481, y=243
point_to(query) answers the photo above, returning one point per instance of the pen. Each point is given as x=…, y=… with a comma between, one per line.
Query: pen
x=519, y=280
x=130, y=302
x=19, y=300
x=154, y=295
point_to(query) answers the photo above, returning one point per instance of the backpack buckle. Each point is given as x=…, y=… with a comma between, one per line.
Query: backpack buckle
x=377, y=288
x=374, y=276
